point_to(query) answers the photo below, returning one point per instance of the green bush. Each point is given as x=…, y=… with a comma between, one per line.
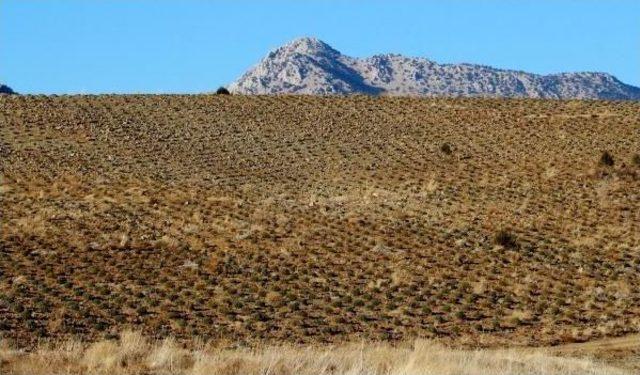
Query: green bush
x=446, y=149
x=222, y=91
x=606, y=159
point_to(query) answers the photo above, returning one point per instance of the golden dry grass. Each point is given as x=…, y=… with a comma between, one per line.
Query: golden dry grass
x=274, y=220
x=133, y=354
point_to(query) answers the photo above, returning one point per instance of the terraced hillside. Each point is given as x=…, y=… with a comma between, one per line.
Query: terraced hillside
x=306, y=219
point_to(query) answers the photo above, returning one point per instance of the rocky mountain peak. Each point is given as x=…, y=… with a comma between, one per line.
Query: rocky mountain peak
x=310, y=66
x=308, y=46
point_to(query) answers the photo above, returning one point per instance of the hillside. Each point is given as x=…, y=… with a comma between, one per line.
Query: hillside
x=306, y=219
x=310, y=66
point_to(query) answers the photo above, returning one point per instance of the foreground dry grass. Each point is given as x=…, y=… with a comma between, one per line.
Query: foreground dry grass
x=132, y=354
x=270, y=220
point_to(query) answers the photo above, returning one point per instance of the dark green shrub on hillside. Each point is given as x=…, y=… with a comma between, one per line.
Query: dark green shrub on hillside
x=222, y=91
x=606, y=159
x=446, y=148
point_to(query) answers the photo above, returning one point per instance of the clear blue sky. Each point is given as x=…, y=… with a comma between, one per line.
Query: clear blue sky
x=127, y=46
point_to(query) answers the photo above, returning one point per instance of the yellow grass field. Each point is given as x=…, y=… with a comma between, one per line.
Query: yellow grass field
x=281, y=226
x=134, y=354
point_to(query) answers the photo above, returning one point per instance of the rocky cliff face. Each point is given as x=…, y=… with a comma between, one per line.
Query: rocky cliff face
x=310, y=66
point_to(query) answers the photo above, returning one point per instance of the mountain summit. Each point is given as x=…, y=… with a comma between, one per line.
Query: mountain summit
x=311, y=66
x=309, y=46
x=304, y=66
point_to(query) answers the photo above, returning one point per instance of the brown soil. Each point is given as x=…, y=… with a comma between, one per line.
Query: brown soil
x=305, y=219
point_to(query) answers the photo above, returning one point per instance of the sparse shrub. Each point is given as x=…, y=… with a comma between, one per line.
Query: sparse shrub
x=446, y=149
x=222, y=91
x=606, y=159
x=635, y=160
x=506, y=239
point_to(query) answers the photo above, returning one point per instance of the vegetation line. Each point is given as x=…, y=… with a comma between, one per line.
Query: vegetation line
x=134, y=354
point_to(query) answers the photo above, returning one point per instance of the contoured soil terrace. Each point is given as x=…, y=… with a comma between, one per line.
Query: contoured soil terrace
x=306, y=219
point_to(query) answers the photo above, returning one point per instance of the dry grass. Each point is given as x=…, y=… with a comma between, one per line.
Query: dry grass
x=132, y=354
x=318, y=220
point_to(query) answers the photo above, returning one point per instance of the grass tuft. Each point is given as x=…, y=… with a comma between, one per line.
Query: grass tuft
x=506, y=239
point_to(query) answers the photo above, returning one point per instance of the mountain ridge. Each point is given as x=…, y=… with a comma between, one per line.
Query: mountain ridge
x=310, y=66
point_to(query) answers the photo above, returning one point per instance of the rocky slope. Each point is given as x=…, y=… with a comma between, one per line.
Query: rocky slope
x=310, y=66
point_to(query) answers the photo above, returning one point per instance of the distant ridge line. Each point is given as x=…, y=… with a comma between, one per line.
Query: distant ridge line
x=311, y=66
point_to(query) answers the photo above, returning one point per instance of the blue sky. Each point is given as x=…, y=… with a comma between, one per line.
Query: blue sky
x=189, y=46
